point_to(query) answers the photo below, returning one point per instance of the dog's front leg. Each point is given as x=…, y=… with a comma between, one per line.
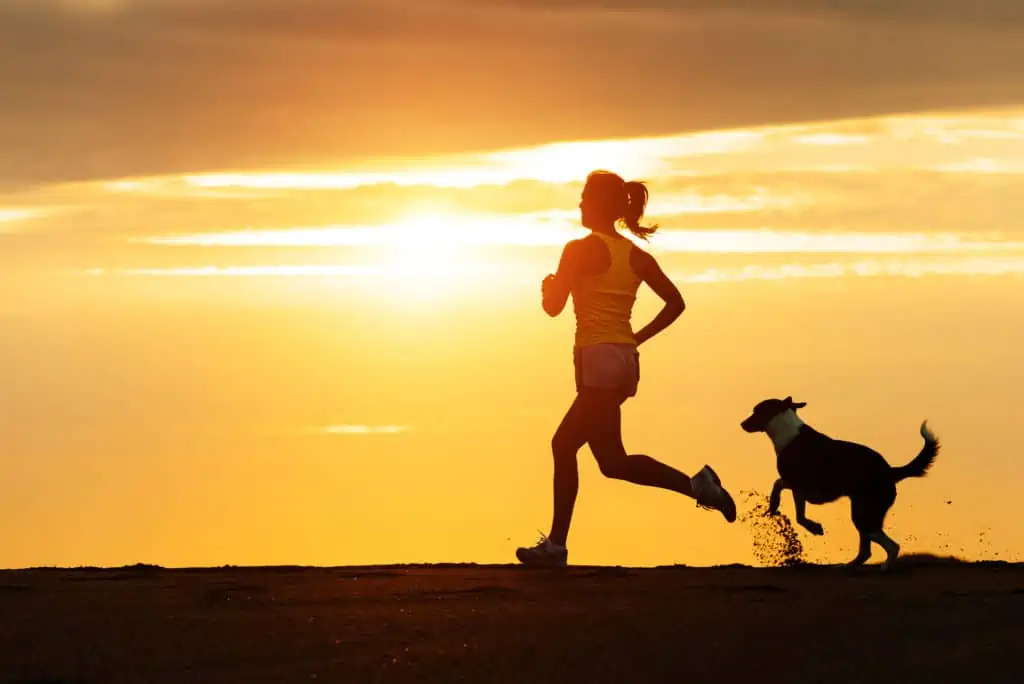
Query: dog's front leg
x=776, y=496
x=811, y=526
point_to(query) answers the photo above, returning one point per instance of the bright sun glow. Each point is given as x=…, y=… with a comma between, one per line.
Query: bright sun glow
x=425, y=249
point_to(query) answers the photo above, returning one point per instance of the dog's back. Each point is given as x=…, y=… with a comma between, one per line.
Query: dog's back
x=822, y=469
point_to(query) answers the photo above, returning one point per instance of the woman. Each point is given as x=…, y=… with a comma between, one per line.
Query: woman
x=602, y=272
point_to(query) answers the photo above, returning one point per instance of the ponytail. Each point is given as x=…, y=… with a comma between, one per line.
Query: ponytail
x=619, y=201
x=636, y=203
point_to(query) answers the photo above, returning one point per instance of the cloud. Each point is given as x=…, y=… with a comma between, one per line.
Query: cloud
x=365, y=430
x=902, y=267
x=982, y=11
x=101, y=6
x=990, y=266
x=155, y=86
x=524, y=232
x=11, y=215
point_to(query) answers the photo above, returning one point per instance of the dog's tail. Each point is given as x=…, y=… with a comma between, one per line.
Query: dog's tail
x=923, y=461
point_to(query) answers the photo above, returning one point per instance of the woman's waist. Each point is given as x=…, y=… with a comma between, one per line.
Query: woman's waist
x=595, y=336
x=629, y=347
x=603, y=323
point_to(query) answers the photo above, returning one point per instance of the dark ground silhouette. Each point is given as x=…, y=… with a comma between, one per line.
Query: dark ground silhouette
x=927, y=620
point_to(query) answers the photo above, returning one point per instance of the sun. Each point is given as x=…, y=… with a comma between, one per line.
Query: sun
x=427, y=257
x=424, y=245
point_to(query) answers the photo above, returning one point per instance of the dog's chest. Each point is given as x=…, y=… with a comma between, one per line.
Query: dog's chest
x=804, y=468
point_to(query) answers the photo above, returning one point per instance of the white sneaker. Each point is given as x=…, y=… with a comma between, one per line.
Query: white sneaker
x=545, y=553
x=710, y=493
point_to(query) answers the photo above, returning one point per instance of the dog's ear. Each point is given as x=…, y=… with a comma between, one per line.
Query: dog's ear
x=788, y=401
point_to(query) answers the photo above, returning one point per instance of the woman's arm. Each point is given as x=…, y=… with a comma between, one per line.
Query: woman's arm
x=651, y=273
x=555, y=288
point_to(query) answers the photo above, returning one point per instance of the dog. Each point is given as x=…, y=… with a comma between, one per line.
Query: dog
x=819, y=469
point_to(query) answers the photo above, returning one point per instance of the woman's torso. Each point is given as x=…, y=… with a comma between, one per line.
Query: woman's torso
x=603, y=301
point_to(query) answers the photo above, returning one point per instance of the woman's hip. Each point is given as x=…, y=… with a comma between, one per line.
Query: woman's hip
x=607, y=366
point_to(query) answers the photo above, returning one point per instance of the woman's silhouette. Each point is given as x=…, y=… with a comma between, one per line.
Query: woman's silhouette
x=602, y=272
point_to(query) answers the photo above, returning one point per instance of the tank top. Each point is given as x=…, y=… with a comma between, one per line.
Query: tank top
x=604, y=302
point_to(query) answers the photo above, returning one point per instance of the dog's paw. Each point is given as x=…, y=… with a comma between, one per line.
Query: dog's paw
x=813, y=527
x=771, y=512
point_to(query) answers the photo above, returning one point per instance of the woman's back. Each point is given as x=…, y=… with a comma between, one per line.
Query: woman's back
x=603, y=296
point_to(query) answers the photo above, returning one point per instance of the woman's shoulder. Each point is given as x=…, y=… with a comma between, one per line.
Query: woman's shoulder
x=586, y=247
x=589, y=254
x=641, y=260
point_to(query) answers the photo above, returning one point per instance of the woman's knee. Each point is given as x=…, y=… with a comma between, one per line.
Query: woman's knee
x=612, y=465
x=563, y=447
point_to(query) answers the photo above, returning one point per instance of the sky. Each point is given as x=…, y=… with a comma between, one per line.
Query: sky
x=104, y=88
x=270, y=270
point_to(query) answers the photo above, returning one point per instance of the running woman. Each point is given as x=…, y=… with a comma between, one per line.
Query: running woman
x=603, y=272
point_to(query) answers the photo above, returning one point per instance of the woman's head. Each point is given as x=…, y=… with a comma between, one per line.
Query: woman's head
x=608, y=199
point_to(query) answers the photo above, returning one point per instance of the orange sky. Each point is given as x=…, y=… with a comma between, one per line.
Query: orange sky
x=270, y=278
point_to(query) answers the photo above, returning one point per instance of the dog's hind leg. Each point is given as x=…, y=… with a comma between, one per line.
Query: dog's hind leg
x=892, y=549
x=811, y=526
x=868, y=517
x=863, y=553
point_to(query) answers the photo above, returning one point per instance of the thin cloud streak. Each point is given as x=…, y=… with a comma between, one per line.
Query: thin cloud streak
x=398, y=272
x=365, y=430
x=496, y=232
x=916, y=267
x=867, y=268
x=10, y=216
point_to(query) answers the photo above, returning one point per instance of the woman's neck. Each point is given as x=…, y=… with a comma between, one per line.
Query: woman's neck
x=605, y=229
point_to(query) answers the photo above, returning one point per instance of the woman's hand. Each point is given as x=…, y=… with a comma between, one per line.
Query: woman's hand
x=553, y=295
x=555, y=288
x=547, y=284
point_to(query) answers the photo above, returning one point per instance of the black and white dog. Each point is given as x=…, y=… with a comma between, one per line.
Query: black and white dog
x=819, y=469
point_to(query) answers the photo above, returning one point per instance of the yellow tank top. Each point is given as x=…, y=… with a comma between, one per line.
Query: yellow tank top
x=604, y=302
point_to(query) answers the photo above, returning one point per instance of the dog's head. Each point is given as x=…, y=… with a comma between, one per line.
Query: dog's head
x=764, y=412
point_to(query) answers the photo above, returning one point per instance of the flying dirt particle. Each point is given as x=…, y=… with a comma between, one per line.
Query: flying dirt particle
x=775, y=539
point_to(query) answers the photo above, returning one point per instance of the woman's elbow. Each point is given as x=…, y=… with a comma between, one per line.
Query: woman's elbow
x=551, y=308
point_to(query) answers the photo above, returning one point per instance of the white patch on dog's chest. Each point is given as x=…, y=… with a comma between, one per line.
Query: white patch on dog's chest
x=783, y=429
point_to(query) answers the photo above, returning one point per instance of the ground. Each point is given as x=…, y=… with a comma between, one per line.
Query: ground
x=929, y=620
